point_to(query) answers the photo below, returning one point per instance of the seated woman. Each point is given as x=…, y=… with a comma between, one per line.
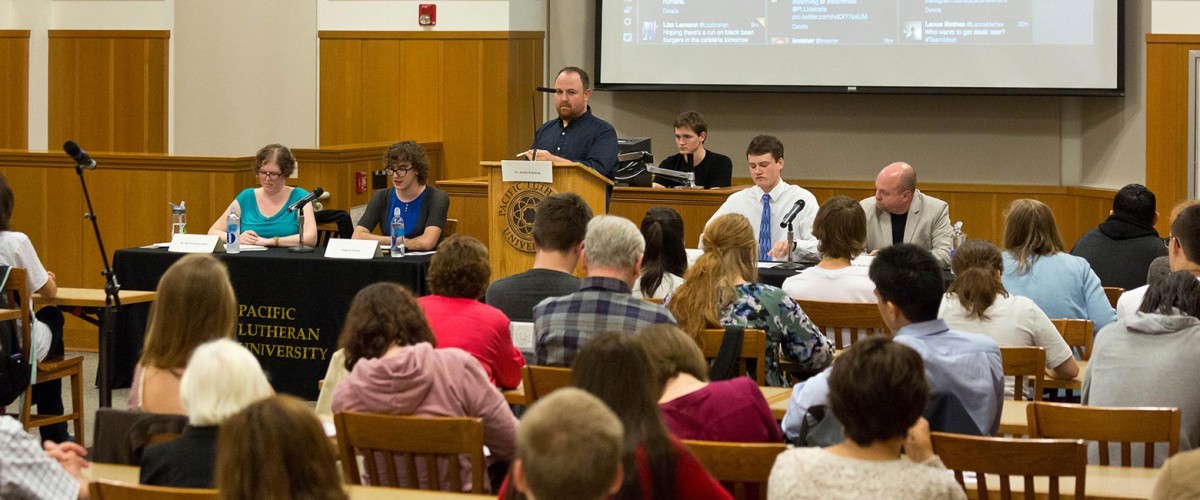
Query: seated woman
x=878, y=391
x=276, y=449
x=694, y=408
x=395, y=369
x=458, y=276
x=978, y=303
x=841, y=227
x=1149, y=359
x=422, y=207
x=665, y=259
x=195, y=304
x=265, y=219
x=16, y=250
x=720, y=290
x=221, y=379
x=1036, y=266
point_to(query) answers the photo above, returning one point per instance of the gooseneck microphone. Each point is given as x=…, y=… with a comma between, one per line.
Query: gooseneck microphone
x=545, y=90
x=792, y=213
x=81, y=157
x=316, y=193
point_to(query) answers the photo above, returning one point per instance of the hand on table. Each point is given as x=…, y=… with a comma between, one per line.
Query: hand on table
x=779, y=250
x=251, y=238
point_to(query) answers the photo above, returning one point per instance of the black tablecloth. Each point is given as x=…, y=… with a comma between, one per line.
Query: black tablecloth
x=291, y=306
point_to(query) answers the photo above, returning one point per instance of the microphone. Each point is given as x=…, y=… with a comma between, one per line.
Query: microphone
x=792, y=213
x=81, y=157
x=545, y=90
x=316, y=193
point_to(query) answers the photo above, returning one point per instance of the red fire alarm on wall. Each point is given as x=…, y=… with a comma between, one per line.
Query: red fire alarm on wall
x=427, y=14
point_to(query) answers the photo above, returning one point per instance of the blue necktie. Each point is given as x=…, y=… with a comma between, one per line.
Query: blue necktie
x=764, y=230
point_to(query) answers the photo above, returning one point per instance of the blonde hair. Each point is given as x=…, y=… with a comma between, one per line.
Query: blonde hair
x=730, y=253
x=1030, y=232
x=195, y=304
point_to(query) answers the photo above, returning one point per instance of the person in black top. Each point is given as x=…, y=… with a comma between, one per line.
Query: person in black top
x=713, y=170
x=1121, y=248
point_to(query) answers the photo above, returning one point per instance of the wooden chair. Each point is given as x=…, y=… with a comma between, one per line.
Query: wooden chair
x=1113, y=293
x=754, y=347
x=540, y=381
x=1007, y=457
x=47, y=369
x=389, y=442
x=653, y=300
x=102, y=489
x=451, y=228
x=1079, y=335
x=844, y=317
x=326, y=232
x=1021, y=362
x=1106, y=424
x=742, y=464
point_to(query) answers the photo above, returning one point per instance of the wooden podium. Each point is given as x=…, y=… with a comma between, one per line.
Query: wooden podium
x=511, y=207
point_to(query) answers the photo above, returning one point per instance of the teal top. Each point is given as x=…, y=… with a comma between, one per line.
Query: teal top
x=281, y=224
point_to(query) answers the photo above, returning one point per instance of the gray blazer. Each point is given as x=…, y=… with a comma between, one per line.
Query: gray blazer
x=928, y=226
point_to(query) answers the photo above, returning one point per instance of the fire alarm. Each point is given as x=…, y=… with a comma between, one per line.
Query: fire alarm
x=427, y=14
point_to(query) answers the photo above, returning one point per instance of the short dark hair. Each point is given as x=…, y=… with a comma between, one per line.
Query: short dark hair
x=1135, y=200
x=583, y=76
x=692, y=120
x=1186, y=230
x=408, y=151
x=877, y=390
x=841, y=227
x=764, y=144
x=1178, y=290
x=560, y=222
x=6, y=204
x=460, y=268
x=281, y=154
x=382, y=315
x=908, y=276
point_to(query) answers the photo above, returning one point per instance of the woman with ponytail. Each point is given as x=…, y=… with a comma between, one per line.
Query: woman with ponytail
x=720, y=290
x=977, y=302
x=665, y=259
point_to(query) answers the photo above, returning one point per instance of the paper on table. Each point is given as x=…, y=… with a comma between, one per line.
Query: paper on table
x=768, y=265
x=245, y=247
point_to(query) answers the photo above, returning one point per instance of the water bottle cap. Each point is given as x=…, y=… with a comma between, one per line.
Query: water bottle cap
x=178, y=209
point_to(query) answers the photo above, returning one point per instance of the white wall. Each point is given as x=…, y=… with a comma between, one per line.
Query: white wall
x=1176, y=17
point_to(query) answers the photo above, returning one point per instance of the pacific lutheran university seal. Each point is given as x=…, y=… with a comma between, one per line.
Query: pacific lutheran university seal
x=517, y=207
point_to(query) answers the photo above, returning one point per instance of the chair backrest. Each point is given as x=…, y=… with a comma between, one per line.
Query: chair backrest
x=742, y=464
x=17, y=297
x=754, y=347
x=846, y=319
x=325, y=232
x=451, y=228
x=1006, y=457
x=1021, y=362
x=1113, y=293
x=653, y=300
x=390, y=443
x=1107, y=424
x=102, y=489
x=1079, y=335
x=120, y=436
x=540, y=381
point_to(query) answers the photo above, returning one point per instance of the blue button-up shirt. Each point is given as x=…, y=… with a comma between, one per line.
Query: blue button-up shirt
x=586, y=139
x=562, y=325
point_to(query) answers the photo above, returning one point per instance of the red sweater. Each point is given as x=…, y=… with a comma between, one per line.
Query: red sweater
x=479, y=329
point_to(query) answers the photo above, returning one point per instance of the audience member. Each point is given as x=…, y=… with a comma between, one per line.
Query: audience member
x=612, y=259
x=720, y=290
x=559, y=226
x=195, y=304
x=1148, y=359
x=422, y=207
x=878, y=391
x=1183, y=253
x=458, y=276
x=841, y=228
x=901, y=213
x=695, y=408
x=27, y=471
x=909, y=287
x=16, y=250
x=1120, y=248
x=1177, y=478
x=1159, y=268
x=665, y=258
x=1036, y=266
x=977, y=302
x=568, y=447
x=221, y=379
x=713, y=170
x=576, y=135
x=276, y=449
x=766, y=204
x=265, y=219
x=395, y=369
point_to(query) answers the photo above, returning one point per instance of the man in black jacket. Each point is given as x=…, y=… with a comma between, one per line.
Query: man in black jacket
x=1121, y=248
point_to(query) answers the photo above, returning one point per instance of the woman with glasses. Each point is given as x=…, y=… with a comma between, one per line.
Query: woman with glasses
x=423, y=207
x=265, y=219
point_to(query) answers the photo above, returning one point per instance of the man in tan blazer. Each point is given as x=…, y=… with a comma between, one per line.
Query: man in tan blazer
x=901, y=213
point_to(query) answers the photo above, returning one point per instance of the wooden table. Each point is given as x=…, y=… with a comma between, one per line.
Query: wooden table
x=1075, y=384
x=92, y=301
x=777, y=399
x=516, y=396
x=1013, y=418
x=1103, y=483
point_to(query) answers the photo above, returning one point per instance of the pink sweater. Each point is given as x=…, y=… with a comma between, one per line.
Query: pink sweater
x=479, y=329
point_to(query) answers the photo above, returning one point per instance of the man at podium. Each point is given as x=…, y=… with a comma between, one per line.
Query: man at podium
x=577, y=135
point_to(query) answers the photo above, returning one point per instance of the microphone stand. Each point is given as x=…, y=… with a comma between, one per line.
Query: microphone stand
x=301, y=248
x=112, y=302
x=791, y=263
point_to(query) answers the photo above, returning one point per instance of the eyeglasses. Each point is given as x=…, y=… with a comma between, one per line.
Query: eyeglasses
x=398, y=172
x=269, y=175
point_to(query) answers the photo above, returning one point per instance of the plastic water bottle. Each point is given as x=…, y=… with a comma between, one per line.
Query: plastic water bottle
x=178, y=218
x=957, y=238
x=397, y=234
x=233, y=233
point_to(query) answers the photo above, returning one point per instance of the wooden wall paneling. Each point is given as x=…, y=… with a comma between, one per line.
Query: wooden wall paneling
x=422, y=80
x=468, y=204
x=382, y=114
x=14, y=89
x=1166, y=120
x=342, y=81
x=469, y=114
x=139, y=107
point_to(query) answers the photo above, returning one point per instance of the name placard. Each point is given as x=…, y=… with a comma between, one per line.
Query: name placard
x=195, y=243
x=522, y=335
x=342, y=248
x=527, y=171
